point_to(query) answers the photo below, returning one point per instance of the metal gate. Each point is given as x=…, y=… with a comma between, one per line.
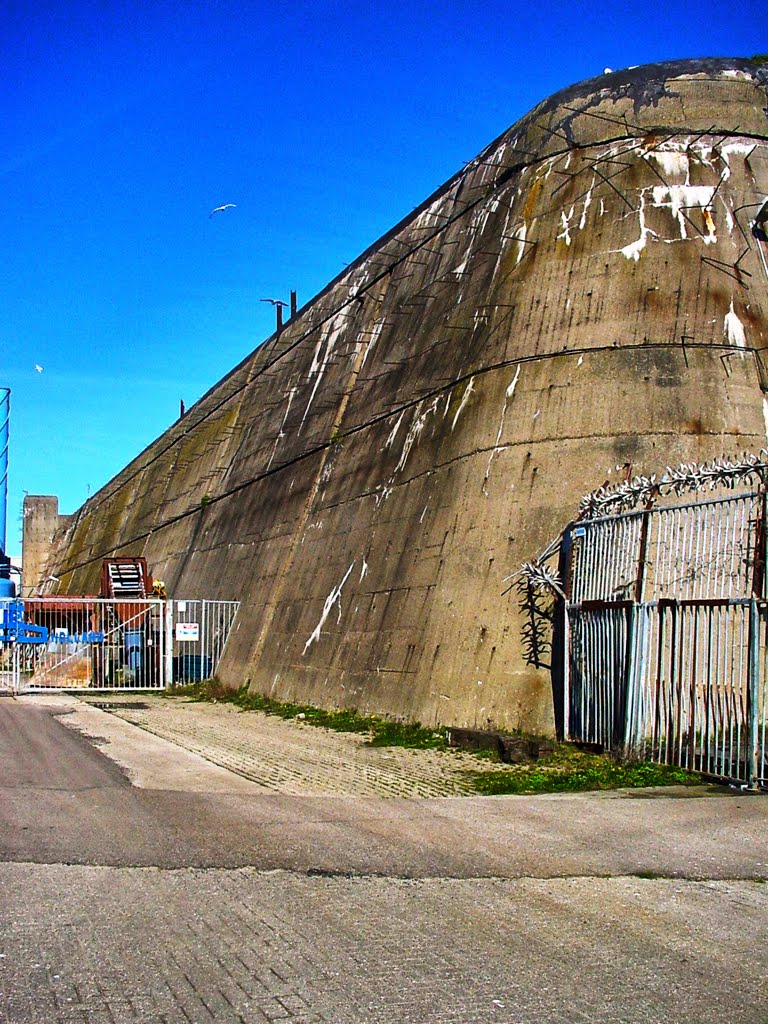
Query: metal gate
x=666, y=625
x=106, y=644
x=200, y=633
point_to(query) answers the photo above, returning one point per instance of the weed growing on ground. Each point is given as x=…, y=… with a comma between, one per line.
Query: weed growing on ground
x=570, y=770
x=382, y=732
x=567, y=769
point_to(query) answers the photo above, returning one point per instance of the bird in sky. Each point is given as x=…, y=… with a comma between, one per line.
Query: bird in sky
x=38, y=367
x=224, y=206
x=275, y=302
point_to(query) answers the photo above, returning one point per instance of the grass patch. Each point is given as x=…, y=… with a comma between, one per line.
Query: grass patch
x=570, y=770
x=382, y=732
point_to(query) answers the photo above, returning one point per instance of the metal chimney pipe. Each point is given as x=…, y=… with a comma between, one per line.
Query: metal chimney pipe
x=5, y=417
x=293, y=303
x=7, y=587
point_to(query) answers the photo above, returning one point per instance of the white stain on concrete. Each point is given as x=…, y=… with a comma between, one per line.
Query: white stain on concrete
x=480, y=217
x=633, y=250
x=733, y=329
x=565, y=234
x=587, y=204
x=732, y=149
x=681, y=199
x=508, y=394
x=322, y=355
x=673, y=161
x=363, y=570
x=383, y=492
x=520, y=238
x=333, y=598
x=420, y=417
x=281, y=431
x=372, y=339
x=468, y=391
x=393, y=432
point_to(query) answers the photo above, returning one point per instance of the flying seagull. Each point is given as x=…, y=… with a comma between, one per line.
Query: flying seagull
x=275, y=302
x=38, y=367
x=218, y=209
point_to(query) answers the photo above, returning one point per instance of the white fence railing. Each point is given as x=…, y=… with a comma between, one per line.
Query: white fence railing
x=99, y=644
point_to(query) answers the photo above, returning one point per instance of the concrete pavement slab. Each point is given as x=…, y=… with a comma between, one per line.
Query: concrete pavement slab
x=125, y=946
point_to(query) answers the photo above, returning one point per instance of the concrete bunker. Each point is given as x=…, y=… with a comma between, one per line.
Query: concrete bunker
x=583, y=300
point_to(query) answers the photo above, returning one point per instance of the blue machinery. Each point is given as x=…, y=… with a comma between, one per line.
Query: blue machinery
x=13, y=628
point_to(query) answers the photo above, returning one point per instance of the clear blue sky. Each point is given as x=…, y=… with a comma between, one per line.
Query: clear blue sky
x=124, y=124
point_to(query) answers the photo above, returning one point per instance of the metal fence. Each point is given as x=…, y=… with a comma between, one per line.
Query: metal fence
x=666, y=653
x=200, y=633
x=105, y=644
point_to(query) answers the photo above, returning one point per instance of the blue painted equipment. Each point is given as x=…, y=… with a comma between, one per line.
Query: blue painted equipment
x=13, y=628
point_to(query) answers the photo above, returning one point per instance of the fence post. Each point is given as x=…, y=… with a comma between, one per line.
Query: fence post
x=566, y=565
x=623, y=687
x=168, y=643
x=566, y=656
x=753, y=702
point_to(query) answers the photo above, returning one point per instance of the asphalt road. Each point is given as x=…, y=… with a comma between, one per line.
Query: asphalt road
x=213, y=901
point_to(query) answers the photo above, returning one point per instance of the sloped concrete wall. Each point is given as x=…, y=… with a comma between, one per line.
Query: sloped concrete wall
x=583, y=300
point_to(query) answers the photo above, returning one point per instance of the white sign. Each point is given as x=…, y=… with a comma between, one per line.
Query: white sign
x=187, y=630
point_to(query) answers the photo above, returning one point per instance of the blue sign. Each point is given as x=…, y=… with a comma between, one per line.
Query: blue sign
x=91, y=636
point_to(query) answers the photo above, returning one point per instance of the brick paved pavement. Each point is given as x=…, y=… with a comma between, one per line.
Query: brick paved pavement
x=93, y=942
x=141, y=946
x=288, y=756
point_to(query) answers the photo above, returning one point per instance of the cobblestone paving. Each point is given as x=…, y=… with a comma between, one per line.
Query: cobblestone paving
x=294, y=758
x=86, y=945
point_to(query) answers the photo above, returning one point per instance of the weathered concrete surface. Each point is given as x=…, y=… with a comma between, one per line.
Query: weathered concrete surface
x=41, y=523
x=583, y=298
x=65, y=801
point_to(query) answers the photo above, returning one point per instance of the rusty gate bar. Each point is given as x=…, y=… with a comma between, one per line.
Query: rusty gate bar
x=666, y=628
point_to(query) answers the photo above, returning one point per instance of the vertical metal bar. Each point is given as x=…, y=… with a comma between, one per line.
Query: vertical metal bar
x=203, y=638
x=758, y=573
x=698, y=514
x=622, y=683
x=566, y=670
x=752, y=696
x=706, y=735
x=167, y=628
x=763, y=687
x=642, y=555
x=692, y=690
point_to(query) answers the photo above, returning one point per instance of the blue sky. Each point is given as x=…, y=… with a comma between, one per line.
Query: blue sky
x=124, y=124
